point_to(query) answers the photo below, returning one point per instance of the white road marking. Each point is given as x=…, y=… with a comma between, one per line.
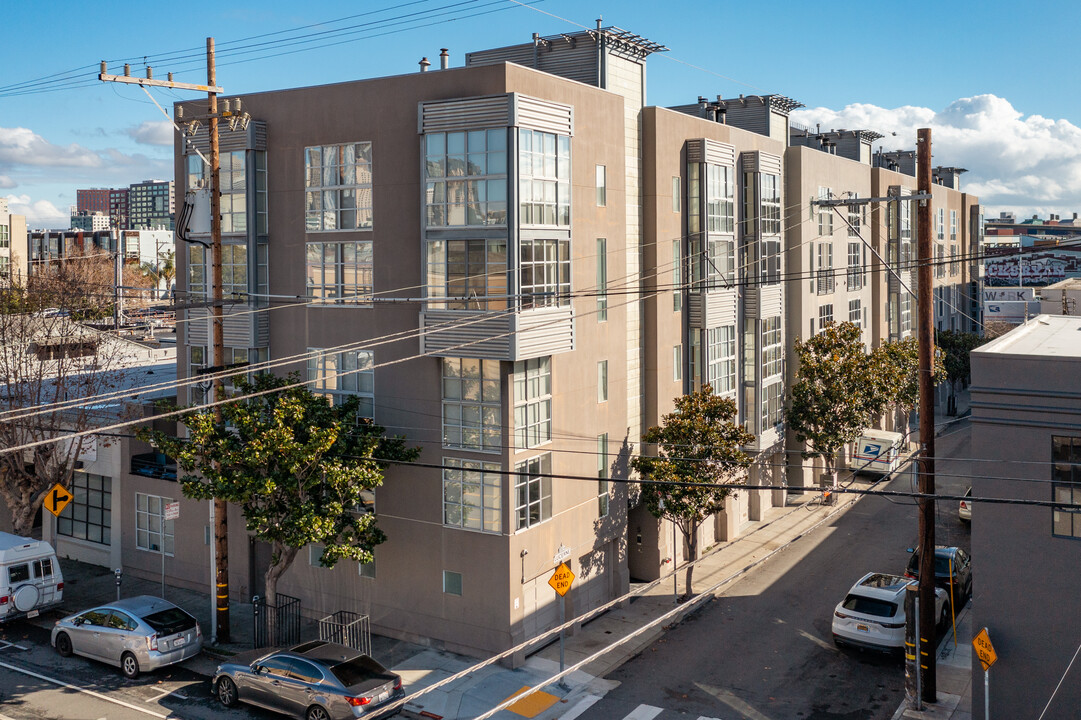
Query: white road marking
x=818, y=641
x=4, y=645
x=76, y=688
x=644, y=712
x=729, y=698
x=581, y=706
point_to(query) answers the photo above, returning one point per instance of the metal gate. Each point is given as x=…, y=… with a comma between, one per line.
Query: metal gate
x=347, y=628
x=275, y=625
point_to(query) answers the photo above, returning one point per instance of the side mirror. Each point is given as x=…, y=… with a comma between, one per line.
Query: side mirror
x=77, y=621
x=910, y=550
x=256, y=668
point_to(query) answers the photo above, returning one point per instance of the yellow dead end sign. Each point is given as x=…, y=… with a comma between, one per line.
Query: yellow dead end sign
x=561, y=579
x=57, y=499
x=985, y=651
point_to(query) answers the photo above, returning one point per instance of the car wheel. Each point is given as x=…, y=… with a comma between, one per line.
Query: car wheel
x=944, y=618
x=226, y=692
x=317, y=712
x=129, y=665
x=63, y=645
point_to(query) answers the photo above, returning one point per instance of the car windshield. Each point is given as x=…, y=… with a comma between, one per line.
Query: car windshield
x=942, y=566
x=355, y=671
x=169, y=621
x=869, y=606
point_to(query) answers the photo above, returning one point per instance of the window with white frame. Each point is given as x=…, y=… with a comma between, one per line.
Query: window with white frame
x=532, y=402
x=720, y=199
x=89, y=514
x=825, y=213
x=825, y=315
x=602, y=279
x=771, y=261
x=467, y=274
x=770, y=211
x=602, y=381
x=940, y=261
x=466, y=178
x=677, y=194
x=602, y=186
x=152, y=531
x=677, y=363
x=772, y=404
x=906, y=312
x=855, y=312
x=471, y=404
x=5, y=237
x=340, y=375
x=772, y=347
x=955, y=267
x=533, y=491
x=855, y=267
x=544, y=167
x=855, y=219
x=1066, y=486
x=941, y=225
x=472, y=495
x=953, y=226
x=544, y=267
x=721, y=360
x=677, y=277
x=233, y=188
x=603, y=485
x=720, y=262
x=234, y=269
x=824, y=274
x=338, y=187
x=452, y=582
x=339, y=272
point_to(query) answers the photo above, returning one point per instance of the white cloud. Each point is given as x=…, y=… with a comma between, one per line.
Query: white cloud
x=1030, y=165
x=152, y=133
x=6, y=182
x=39, y=213
x=21, y=146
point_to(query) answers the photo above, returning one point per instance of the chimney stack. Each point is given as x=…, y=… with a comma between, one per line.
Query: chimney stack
x=444, y=59
x=424, y=64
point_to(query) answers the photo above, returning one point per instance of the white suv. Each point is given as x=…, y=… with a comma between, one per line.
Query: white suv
x=872, y=615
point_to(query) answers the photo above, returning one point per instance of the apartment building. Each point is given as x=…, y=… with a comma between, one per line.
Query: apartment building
x=13, y=263
x=120, y=208
x=50, y=246
x=92, y=200
x=151, y=205
x=89, y=221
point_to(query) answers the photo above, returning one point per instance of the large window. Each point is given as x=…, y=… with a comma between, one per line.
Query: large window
x=340, y=273
x=544, y=174
x=825, y=213
x=533, y=492
x=720, y=199
x=771, y=204
x=1066, y=486
x=855, y=267
x=721, y=360
x=532, y=402
x=471, y=404
x=466, y=178
x=772, y=347
x=234, y=269
x=855, y=312
x=233, y=186
x=152, y=531
x=771, y=261
x=468, y=272
x=545, y=272
x=720, y=262
x=340, y=375
x=338, y=187
x=89, y=514
x=855, y=220
x=825, y=315
x=472, y=495
x=772, y=405
x=5, y=237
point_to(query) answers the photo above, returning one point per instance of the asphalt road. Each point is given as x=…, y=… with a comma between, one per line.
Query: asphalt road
x=764, y=650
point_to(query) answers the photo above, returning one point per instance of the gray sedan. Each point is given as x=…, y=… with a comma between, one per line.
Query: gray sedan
x=315, y=680
x=135, y=634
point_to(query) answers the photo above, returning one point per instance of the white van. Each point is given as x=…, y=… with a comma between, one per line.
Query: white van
x=877, y=451
x=30, y=577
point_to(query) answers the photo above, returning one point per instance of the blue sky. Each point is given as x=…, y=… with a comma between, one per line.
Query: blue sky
x=983, y=76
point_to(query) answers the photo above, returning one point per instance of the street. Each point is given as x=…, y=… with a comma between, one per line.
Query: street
x=764, y=650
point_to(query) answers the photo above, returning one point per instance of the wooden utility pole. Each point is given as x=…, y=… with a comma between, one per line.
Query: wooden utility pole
x=926, y=336
x=221, y=508
x=220, y=591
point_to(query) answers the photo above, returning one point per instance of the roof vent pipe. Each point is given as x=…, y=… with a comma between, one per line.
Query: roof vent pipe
x=444, y=59
x=424, y=64
x=722, y=115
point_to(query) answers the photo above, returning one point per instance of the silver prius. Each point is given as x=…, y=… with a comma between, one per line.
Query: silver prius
x=315, y=681
x=135, y=634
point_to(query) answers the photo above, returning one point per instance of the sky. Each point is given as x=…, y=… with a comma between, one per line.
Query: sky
x=982, y=76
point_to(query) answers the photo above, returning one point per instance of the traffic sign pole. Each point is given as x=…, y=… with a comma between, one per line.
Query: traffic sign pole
x=561, y=581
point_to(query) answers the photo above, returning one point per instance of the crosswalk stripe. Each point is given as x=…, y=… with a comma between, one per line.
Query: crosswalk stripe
x=644, y=712
x=581, y=706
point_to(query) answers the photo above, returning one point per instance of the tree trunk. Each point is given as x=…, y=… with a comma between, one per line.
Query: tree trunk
x=690, y=541
x=281, y=557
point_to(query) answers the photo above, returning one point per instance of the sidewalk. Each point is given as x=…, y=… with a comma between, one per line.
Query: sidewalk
x=954, y=677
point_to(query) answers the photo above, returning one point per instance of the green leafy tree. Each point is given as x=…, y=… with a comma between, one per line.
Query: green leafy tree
x=896, y=378
x=296, y=464
x=697, y=445
x=957, y=347
x=835, y=393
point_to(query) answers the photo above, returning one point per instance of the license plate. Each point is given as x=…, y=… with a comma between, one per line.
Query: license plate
x=179, y=641
x=32, y=614
x=863, y=628
x=382, y=696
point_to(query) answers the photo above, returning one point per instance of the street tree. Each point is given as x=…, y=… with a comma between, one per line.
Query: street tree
x=832, y=399
x=896, y=379
x=46, y=361
x=957, y=347
x=698, y=447
x=296, y=464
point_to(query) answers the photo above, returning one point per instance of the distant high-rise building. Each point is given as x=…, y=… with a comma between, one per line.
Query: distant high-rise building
x=93, y=200
x=12, y=245
x=151, y=205
x=89, y=221
x=119, y=208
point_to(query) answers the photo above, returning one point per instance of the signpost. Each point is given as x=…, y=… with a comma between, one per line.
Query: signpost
x=561, y=582
x=172, y=512
x=985, y=651
x=57, y=499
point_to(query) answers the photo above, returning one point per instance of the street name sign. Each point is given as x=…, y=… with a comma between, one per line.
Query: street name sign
x=561, y=579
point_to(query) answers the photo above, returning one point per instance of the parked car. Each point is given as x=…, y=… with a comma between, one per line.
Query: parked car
x=947, y=558
x=30, y=577
x=135, y=634
x=964, y=508
x=316, y=680
x=872, y=614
